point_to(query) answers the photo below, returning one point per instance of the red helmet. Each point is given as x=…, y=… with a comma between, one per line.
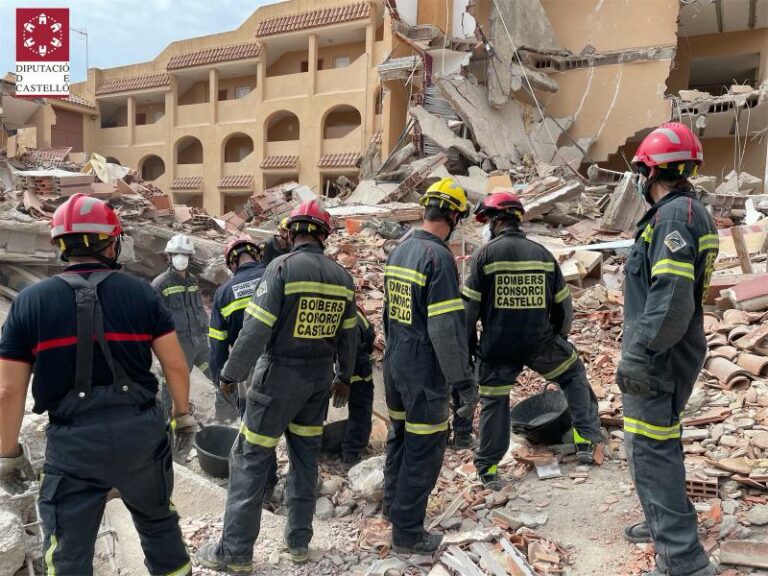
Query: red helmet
x=82, y=214
x=309, y=214
x=238, y=241
x=498, y=202
x=670, y=143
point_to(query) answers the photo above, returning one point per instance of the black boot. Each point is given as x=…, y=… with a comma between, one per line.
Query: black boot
x=428, y=543
x=463, y=440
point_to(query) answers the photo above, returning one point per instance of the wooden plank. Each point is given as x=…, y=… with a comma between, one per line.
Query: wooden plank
x=741, y=249
x=744, y=553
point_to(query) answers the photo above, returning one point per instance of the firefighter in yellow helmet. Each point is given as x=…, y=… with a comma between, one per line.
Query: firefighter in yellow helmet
x=278, y=245
x=426, y=355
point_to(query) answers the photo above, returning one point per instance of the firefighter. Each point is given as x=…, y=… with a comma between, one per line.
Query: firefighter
x=517, y=291
x=89, y=334
x=181, y=295
x=278, y=245
x=426, y=354
x=663, y=348
x=243, y=258
x=359, y=425
x=300, y=320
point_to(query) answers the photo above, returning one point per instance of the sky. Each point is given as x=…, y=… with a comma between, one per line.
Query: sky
x=126, y=31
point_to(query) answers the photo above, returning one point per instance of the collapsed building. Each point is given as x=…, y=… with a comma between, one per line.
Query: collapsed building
x=364, y=103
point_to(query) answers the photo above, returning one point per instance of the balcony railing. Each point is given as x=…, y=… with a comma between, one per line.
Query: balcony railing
x=152, y=133
x=239, y=110
x=193, y=114
x=283, y=148
x=245, y=166
x=345, y=79
x=186, y=170
x=278, y=87
x=349, y=143
x=117, y=136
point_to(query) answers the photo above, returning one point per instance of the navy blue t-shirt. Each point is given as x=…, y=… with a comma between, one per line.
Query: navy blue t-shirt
x=41, y=330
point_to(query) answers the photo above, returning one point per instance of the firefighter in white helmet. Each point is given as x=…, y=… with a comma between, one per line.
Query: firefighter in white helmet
x=181, y=295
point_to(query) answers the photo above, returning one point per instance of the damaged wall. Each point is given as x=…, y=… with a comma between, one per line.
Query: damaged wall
x=711, y=45
x=612, y=102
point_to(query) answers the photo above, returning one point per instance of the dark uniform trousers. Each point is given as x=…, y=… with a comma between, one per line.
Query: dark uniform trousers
x=359, y=425
x=286, y=396
x=557, y=361
x=417, y=399
x=111, y=442
x=663, y=349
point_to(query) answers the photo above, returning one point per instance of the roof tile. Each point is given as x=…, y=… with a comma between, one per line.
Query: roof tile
x=213, y=55
x=344, y=160
x=240, y=181
x=187, y=183
x=280, y=162
x=313, y=18
x=135, y=83
x=75, y=99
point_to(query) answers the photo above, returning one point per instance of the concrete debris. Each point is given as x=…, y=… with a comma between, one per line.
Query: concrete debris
x=625, y=207
x=436, y=129
x=739, y=184
x=12, y=547
x=367, y=478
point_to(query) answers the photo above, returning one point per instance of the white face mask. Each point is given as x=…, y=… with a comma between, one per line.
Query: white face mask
x=180, y=262
x=486, y=233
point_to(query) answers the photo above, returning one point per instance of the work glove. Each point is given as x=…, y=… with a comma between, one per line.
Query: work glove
x=14, y=472
x=339, y=392
x=467, y=399
x=228, y=389
x=183, y=422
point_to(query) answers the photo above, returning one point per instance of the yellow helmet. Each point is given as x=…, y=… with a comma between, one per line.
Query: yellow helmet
x=283, y=224
x=445, y=193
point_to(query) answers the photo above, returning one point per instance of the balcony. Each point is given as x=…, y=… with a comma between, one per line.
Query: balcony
x=286, y=86
x=186, y=170
x=156, y=133
x=347, y=79
x=284, y=148
x=240, y=109
x=117, y=136
x=246, y=166
x=352, y=142
x=193, y=114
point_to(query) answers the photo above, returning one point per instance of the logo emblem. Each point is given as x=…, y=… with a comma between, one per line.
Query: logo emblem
x=674, y=241
x=42, y=52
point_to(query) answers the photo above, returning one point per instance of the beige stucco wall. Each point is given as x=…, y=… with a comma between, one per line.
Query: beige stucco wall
x=612, y=102
x=197, y=112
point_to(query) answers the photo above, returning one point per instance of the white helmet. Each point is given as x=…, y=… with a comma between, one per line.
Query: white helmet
x=180, y=244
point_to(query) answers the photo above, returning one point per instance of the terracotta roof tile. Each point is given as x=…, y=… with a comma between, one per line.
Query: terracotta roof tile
x=241, y=181
x=213, y=55
x=280, y=162
x=187, y=183
x=135, y=83
x=75, y=99
x=313, y=18
x=344, y=160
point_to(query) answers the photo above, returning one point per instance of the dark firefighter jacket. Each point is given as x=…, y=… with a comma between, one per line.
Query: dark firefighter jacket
x=363, y=371
x=302, y=311
x=422, y=303
x=516, y=289
x=227, y=312
x=667, y=277
x=182, y=297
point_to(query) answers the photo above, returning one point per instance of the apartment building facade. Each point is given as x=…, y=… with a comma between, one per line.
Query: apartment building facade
x=290, y=95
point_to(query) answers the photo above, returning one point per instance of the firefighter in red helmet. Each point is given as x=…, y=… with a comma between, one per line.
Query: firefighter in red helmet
x=663, y=349
x=89, y=334
x=300, y=320
x=516, y=289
